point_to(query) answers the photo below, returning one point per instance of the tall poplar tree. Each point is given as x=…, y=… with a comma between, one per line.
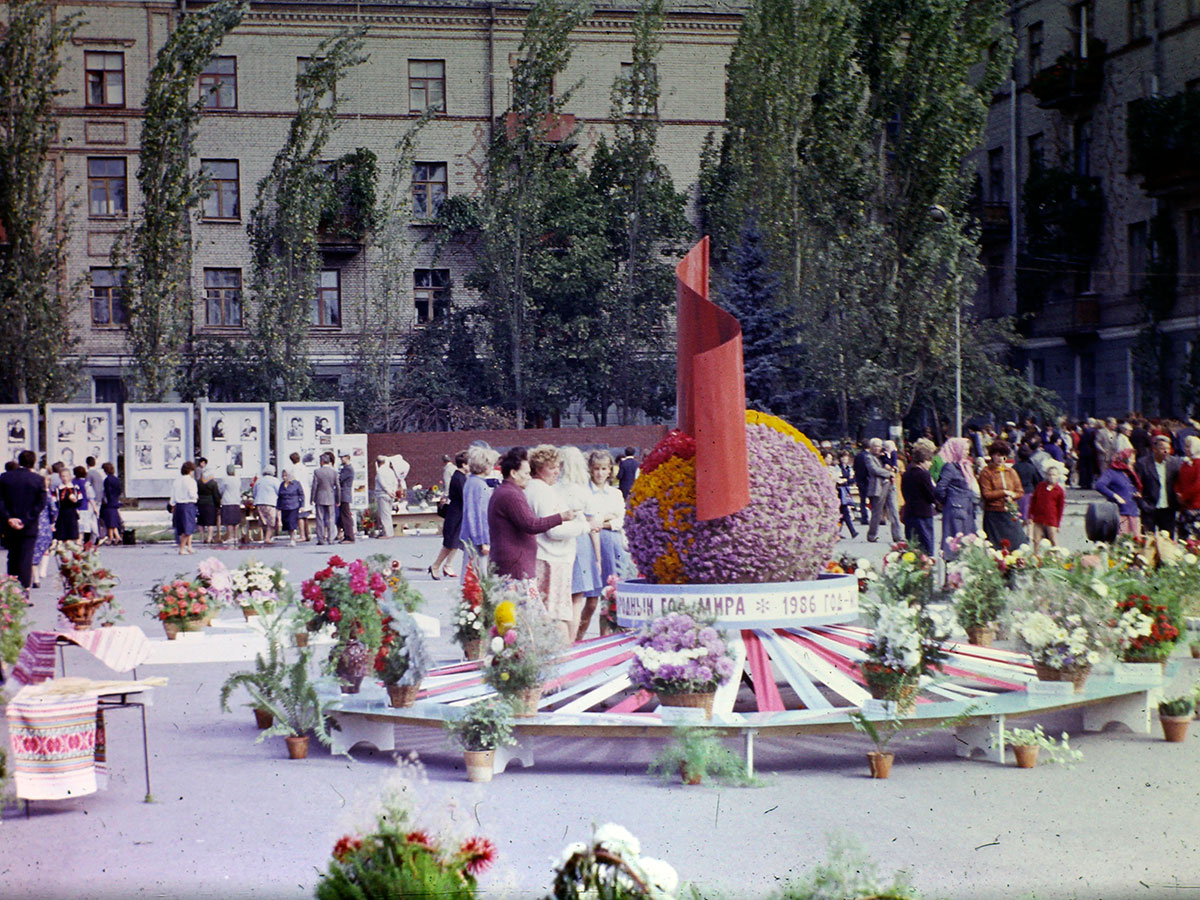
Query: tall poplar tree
x=157, y=248
x=35, y=291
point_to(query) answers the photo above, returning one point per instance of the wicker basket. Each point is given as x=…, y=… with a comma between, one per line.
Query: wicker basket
x=700, y=700
x=525, y=704
x=1076, y=676
x=904, y=694
x=81, y=614
x=402, y=696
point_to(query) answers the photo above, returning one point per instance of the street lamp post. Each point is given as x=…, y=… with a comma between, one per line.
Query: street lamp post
x=939, y=215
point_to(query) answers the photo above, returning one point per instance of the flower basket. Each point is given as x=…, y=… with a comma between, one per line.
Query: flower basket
x=402, y=696
x=690, y=699
x=525, y=704
x=192, y=623
x=473, y=649
x=81, y=614
x=981, y=635
x=1075, y=674
x=903, y=693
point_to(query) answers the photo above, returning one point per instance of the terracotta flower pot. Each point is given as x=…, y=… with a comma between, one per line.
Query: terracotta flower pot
x=247, y=612
x=700, y=700
x=1026, y=755
x=687, y=775
x=480, y=764
x=297, y=746
x=473, y=649
x=263, y=719
x=1175, y=728
x=981, y=635
x=880, y=763
x=301, y=638
x=402, y=696
x=526, y=705
x=1195, y=648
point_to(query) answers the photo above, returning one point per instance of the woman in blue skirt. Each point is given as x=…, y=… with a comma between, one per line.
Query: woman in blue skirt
x=606, y=510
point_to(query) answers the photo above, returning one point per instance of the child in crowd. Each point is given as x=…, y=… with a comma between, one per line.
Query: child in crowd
x=1046, y=507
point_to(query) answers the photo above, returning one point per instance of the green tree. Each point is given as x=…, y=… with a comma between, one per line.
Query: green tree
x=157, y=249
x=539, y=248
x=35, y=291
x=631, y=359
x=288, y=207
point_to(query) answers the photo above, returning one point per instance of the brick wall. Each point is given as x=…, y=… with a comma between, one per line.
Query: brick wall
x=424, y=450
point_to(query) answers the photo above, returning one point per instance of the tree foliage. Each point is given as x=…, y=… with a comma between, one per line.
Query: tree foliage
x=35, y=290
x=158, y=245
x=284, y=223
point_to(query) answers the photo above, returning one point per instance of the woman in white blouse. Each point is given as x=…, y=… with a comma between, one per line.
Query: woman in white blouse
x=606, y=511
x=183, y=507
x=585, y=577
x=556, y=547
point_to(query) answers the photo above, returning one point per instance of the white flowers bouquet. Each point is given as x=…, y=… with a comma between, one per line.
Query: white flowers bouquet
x=611, y=865
x=255, y=581
x=1066, y=620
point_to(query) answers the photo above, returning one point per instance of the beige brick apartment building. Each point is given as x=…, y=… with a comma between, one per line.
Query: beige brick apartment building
x=1077, y=273
x=454, y=54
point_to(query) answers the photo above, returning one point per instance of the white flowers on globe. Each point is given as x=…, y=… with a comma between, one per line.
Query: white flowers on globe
x=612, y=866
x=898, y=627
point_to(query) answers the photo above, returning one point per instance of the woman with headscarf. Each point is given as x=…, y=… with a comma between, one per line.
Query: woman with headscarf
x=1120, y=484
x=957, y=491
x=1000, y=488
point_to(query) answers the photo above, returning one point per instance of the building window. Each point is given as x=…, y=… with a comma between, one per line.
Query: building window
x=106, y=187
x=222, y=200
x=218, y=83
x=223, y=298
x=996, y=175
x=109, y=389
x=1137, y=19
x=302, y=66
x=1138, y=256
x=428, y=189
x=426, y=85
x=431, y=294
x=627, y=78
x=108, y=296
x=1083, y=147
x=1035, y=48
x=1037, y=151
x=995, y=283
x=105, y=78
x=327, y=305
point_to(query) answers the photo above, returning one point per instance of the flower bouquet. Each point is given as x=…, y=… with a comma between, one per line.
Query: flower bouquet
x=473, y=615
x=403, y=658
x=608, y=607
x=255, y=582
x=404, y=595
x=683, y=658
x=87, y=585
x=181, y=605
x=12, y=618
x=216, y=578
x=367, y=523
x=979, y=575
x=346, y=596
x=611, y=865
x=523, y=642
x=1146, y=632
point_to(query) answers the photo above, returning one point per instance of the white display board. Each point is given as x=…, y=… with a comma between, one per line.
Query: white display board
x=356, y=446
x=307, y=429
x=20, y=424
x=75, y=431
x=158, y=440
x=237, y=434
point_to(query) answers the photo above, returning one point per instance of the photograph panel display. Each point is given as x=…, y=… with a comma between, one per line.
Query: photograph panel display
x=236, y=434
x=20, y=429
x=308, y=429
x=75, y=431
x=158, y=440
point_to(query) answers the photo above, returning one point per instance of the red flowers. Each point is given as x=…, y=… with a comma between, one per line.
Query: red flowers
x=335, y=614
x=675, y=444
x=471, y=589
x=479, y=853
x=336, y=562
x=345, y=846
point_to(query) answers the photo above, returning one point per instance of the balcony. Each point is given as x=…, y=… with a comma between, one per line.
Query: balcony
x=556, y=127
x=995, y=220
x=1073, y=81
x=349, y=213
x=1164, y=143
x=1064, y=212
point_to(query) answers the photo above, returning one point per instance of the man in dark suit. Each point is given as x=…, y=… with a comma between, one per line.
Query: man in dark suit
x=862, y=479
x=22, y=496
x=1158, y=470
x=345, y=497
x=627, y=470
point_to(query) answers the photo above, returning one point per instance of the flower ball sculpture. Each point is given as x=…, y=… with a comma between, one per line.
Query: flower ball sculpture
x=786, y=533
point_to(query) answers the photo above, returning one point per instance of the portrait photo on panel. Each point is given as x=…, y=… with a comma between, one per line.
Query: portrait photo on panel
x=96, y=430
x=233, y=455
x=295, y=430
x=249, y=429
x=171, y=455
x=173, y=432
x=97, y=453
x=16, y=431
x=308, y=456
x=144, y=456
x=66, y=429
x=321, y=424
x=143, y=431
x=67, y=455
x=217, y=428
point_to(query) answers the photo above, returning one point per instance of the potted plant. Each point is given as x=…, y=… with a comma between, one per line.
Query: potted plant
x=391, y=570
x=979, y=576
x=1146, y=632
x=213, y=574
x=473, y=615
x=13, y=625
x=255, y=581
x=482, y=728
x=1175, y=713
x=266, y=679
x=683, y=658
x=610, y=865
x=346, y=596
x=1063, y=617
x=181, y=605
x=907, y=635
x=696, y=754
x=883, y=729
x=523, y=643
x=87, y=585
x=296, y=706
x=1028, y=742
x=1194, y=647
x=403, y=659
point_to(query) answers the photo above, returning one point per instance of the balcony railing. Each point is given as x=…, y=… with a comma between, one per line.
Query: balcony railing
x=1164, y=143
x=1072, y=81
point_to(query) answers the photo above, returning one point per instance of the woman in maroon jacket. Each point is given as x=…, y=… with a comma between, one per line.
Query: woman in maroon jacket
x=512, y=524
